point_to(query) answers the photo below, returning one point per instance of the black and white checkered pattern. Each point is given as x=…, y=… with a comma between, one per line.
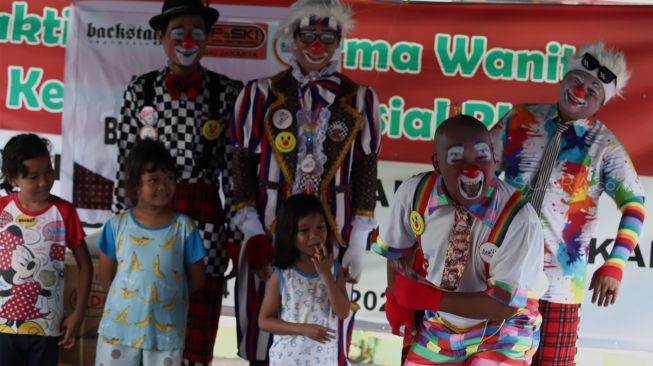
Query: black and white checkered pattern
x=179, y=126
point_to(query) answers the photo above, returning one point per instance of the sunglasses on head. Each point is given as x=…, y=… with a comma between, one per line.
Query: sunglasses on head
x=590, y=63
x=309, y=36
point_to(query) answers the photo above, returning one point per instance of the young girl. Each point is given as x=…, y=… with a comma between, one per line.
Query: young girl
x=152, y=257
x=306, y=294
x=35, y=229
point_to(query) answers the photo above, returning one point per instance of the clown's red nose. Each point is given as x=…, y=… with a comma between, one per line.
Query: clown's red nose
x=471, y=171
x=187, y=43
x=579, y=91
x=317, y=48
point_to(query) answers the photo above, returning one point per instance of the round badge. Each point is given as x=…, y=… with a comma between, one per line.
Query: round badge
x=308, y=164
x=148, y=132
x=337, y=131
x=211, y=129
x=417, y=222
x=487, y=250
x=285, y=142
x=147, y=115
x=282, y=119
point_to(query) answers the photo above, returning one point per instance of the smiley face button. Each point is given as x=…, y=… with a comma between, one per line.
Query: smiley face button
x=416, y=223
x=285, y=142
x=211, y=129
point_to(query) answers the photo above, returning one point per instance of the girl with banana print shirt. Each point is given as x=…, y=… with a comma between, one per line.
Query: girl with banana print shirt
x=152, y=258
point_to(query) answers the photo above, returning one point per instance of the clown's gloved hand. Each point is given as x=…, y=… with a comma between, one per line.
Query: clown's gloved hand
x=398, y=315
x=258, y=250
x=352, y=262
x=415, y=295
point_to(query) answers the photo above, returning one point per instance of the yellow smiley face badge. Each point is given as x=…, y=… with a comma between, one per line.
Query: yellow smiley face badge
x=285, y=142
x=211, y=129
x=416, y=223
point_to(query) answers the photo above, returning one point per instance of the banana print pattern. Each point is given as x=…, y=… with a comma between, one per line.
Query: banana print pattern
x=170, y=306
x=177, y=276
x=121, y=238
x=169, y=245
x=138, y=343
x=120, y=318
x=156, y=269
x=134, y=265
x=147, y=305
x=154, y=295
x=139, y=242
x=145, y=322
x=126, y=294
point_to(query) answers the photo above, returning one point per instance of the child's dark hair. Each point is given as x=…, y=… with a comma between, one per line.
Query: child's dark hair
x=19, y=148
x=291, y=211
x=149, y=154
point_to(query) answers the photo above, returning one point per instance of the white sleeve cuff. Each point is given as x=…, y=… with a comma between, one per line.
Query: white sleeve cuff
x=247, y=221
x=361, y=227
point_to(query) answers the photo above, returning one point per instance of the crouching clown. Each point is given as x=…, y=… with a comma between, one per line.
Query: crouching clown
x=482, y=247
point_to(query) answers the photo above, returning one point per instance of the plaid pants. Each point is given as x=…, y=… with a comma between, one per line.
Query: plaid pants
x=559, y=332
x=202, y=322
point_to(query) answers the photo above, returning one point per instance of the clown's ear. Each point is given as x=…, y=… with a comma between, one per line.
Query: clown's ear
x=436, y=164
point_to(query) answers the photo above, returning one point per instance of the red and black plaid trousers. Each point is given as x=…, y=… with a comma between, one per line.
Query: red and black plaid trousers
x=559, y=332
x=200, y=201
x=202, y=321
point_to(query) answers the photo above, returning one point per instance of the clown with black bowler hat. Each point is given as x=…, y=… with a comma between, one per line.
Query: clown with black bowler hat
x=187, y=108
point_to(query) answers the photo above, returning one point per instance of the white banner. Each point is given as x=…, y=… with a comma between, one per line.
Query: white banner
x=109, y=42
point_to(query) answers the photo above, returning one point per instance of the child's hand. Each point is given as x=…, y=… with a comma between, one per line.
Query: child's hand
x=318, y=333
x=322, y=260
x=70, y=325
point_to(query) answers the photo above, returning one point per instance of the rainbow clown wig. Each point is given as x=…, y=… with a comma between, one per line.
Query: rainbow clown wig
x=303, y=13
x=607, y=65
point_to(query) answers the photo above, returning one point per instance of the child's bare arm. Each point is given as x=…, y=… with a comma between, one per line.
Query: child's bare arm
x=72, y=322
x=338, y=297
x=107, y=271
x=196, y=275
x=335, y=287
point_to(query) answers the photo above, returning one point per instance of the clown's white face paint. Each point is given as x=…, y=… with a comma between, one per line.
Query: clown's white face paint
x=184, y=41
x=581, y=96
x=316, y=55
x=468, y=166
x=188, y=49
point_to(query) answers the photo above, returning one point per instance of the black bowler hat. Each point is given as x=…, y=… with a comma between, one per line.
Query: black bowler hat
x=175, y=8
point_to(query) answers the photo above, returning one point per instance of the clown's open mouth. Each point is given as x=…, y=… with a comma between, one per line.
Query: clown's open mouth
x=315, y=59
x=470, y=188
x=571, y=98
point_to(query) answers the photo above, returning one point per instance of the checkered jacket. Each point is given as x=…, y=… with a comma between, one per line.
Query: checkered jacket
x=179, y=127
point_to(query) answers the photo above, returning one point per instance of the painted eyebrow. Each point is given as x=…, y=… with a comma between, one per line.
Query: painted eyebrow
x=455, y=145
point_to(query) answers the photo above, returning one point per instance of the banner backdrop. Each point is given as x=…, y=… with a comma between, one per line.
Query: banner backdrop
x=419, y=58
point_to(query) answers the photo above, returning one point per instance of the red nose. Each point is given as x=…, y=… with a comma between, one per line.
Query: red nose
x=187, y=43
x=471, y=171
x=579, y=91
x=317, y=48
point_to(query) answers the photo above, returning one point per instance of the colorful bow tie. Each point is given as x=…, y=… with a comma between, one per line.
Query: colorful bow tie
x=175, y=85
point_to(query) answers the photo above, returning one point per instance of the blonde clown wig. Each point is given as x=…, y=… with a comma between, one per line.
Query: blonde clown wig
x=612, y=59
x=303, y=12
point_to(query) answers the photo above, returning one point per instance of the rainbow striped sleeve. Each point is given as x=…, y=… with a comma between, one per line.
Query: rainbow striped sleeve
x=512, y=296
x=380, y=247
x=630, y=226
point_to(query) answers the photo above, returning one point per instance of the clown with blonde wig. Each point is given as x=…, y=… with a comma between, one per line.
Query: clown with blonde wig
x=308, y=129
x=564, y=158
